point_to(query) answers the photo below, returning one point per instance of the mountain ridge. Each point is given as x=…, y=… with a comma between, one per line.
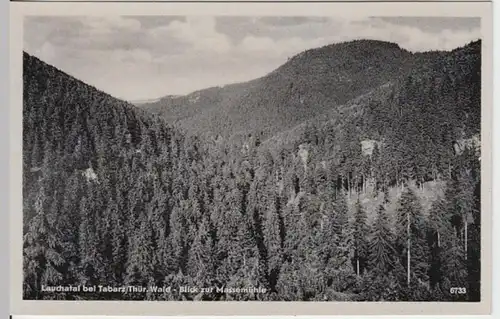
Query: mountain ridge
x=387, y=43
x=299, y=89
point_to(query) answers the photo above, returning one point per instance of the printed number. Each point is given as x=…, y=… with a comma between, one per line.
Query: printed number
x=458, y=290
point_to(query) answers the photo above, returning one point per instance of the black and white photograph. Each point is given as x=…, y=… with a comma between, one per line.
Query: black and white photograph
x=251, y=158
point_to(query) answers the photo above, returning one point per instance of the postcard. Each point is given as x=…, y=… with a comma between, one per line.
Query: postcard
x=251, y=158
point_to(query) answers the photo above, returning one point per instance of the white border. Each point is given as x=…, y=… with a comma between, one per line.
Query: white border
x=19, y=306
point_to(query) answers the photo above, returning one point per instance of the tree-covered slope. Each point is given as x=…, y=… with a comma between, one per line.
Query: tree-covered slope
x=366, y=82
x=309, y=84
x=114, y=196
x=410, y=126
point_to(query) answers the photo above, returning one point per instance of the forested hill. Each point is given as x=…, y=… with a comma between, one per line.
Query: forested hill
x=70, y=126
x=312, y=83
x=307, y=85
x=413, y=125
x=114, y=196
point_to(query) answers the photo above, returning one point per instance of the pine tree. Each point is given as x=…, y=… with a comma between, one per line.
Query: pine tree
x=88, y=272
x=178, y=239
x=360, y=231
x=273, y=239
x=411, y=234
x=249, y=274
x=381, y=284
x=140, y=270
x=201, y=257
x=474, y=251
x=118, y=245
x=302, y=275
x=381, y=246
x=339, y=272
x=42, y=251
x=454, y=267
x=440, y=230
x=330, y=232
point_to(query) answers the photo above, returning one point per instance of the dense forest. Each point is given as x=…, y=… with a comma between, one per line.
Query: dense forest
x=372, y=196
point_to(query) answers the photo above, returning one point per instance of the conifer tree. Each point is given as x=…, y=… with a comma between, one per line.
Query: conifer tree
x=272, y=238
x=411, y=245
x=201, y=257
x=178, y=239
x=381, y=283
x=118, y=245
x=381, y=246
x=454, y=268
x=42, y=250
x=88, y=244
x=474, y=251
x=339, y=269
x=360, y=244
x=140, y=270
x=439, y=228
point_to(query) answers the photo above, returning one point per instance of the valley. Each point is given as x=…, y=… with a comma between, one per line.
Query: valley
x=308, y=182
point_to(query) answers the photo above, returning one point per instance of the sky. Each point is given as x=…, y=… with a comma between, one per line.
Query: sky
x=147, y=57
